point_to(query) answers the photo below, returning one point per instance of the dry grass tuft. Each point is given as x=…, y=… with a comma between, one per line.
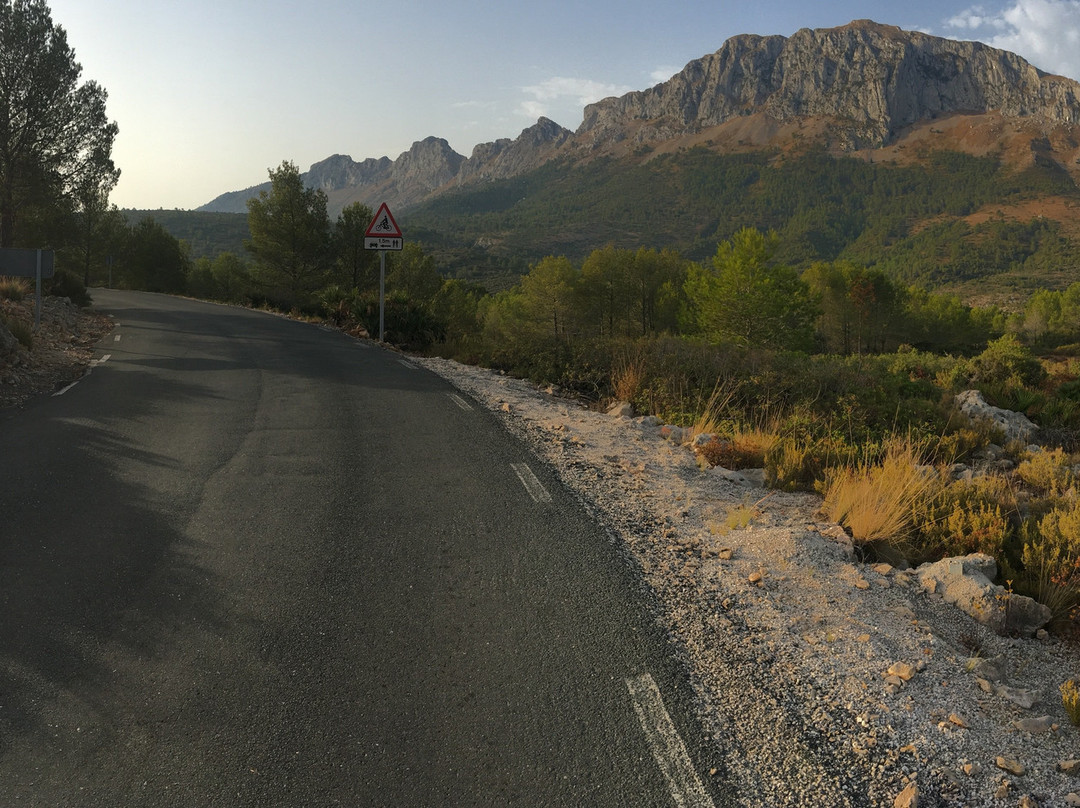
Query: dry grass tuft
x=878, y=503
x=627, y=378
x=712, y=419
x=21, y=330
x=15, y=289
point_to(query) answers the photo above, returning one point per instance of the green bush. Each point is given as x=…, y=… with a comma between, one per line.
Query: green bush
x=67, y=284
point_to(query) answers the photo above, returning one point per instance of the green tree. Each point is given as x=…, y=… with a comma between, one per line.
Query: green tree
x=455, y=305
x=748, y=299
x=549, y=297
x=354, y=265
x=99, y=230
x=412, y=273
x=153, y=260
x=290, y=233
x=54, y=134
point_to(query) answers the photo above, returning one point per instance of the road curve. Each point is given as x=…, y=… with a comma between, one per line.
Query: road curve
x=252, y=562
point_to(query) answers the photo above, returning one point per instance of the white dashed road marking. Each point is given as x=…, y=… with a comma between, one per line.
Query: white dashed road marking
x=532, y=485
x=460, y=402
x=93, y=364
x=666, y=745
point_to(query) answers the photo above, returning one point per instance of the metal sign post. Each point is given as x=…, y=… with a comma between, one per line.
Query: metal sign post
x=383, y=234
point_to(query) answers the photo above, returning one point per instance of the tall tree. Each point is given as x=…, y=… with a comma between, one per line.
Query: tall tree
x=354, y=263
x=413, y=274
x=290, y=234
x=154, y=260
x=747, y=298
x=54, y=134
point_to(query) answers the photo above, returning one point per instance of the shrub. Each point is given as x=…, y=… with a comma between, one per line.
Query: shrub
x=878, y=502
x=627, y=378
x=966, y=517
x=731, y=455
x=791, y=465
x=22, y=331
x=1006, y=361
x=69, y=285
x=1048, y=472
x=1070, y=700
x=1051, y=560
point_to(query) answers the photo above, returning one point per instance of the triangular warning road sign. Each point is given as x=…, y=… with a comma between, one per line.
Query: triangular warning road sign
x=383, y=225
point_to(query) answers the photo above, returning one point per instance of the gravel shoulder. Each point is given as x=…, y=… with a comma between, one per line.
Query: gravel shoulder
x=790, y=640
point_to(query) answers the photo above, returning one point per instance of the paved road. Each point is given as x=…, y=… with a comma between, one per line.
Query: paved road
x=252, y=562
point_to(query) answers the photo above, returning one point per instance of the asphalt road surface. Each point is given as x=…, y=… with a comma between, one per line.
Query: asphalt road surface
x=253, y=562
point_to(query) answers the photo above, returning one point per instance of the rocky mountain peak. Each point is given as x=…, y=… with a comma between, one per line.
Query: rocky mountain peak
x=872, y=79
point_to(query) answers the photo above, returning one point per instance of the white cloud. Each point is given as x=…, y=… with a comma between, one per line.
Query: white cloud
x=663, y=73
x=1045, y=32
x=560, y=92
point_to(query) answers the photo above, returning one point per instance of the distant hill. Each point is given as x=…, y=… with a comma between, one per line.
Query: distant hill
x=944, y=162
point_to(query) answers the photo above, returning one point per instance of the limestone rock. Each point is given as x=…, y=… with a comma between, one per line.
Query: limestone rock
x=1011, y=766
x=1018, y=696
x=1035, y=726
x=1015, y=425
x=901, y=670
x=966, y=583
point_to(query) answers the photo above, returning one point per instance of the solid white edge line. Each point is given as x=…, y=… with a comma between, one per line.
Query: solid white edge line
x=666, y=744
x=532, y=485
x=460, y=402
x=63, y=390
x=409, y=365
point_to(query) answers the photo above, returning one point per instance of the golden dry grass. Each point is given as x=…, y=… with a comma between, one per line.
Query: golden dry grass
x=878, y=502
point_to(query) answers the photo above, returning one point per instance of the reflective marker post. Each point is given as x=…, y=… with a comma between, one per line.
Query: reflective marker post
x=383, y=234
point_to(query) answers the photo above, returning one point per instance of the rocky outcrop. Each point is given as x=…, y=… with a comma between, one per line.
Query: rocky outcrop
x=340, y=171
x=508, y=158
x=871, y=80
x=1014, y=425
x=966, y=583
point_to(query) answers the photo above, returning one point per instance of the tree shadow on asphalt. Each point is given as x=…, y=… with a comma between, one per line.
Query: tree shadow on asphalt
x=89, y=563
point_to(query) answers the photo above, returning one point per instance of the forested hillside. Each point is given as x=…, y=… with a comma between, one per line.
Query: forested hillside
x=910, y=221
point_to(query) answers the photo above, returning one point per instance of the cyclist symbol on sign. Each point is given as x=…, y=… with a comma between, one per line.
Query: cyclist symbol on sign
x=384, y=225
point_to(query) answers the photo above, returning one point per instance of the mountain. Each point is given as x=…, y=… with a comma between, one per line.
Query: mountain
x=869, y=82
x=857, y=88
x=427, y=167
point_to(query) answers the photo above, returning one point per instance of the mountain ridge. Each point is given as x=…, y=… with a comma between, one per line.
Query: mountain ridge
x=859, y=89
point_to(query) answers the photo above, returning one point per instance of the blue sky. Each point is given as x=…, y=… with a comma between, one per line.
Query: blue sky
x=209, y=95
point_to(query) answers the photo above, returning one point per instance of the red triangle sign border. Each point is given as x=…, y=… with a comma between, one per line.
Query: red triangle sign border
x=383, y=219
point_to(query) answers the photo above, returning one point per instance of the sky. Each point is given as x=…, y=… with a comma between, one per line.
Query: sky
x=209, y=95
